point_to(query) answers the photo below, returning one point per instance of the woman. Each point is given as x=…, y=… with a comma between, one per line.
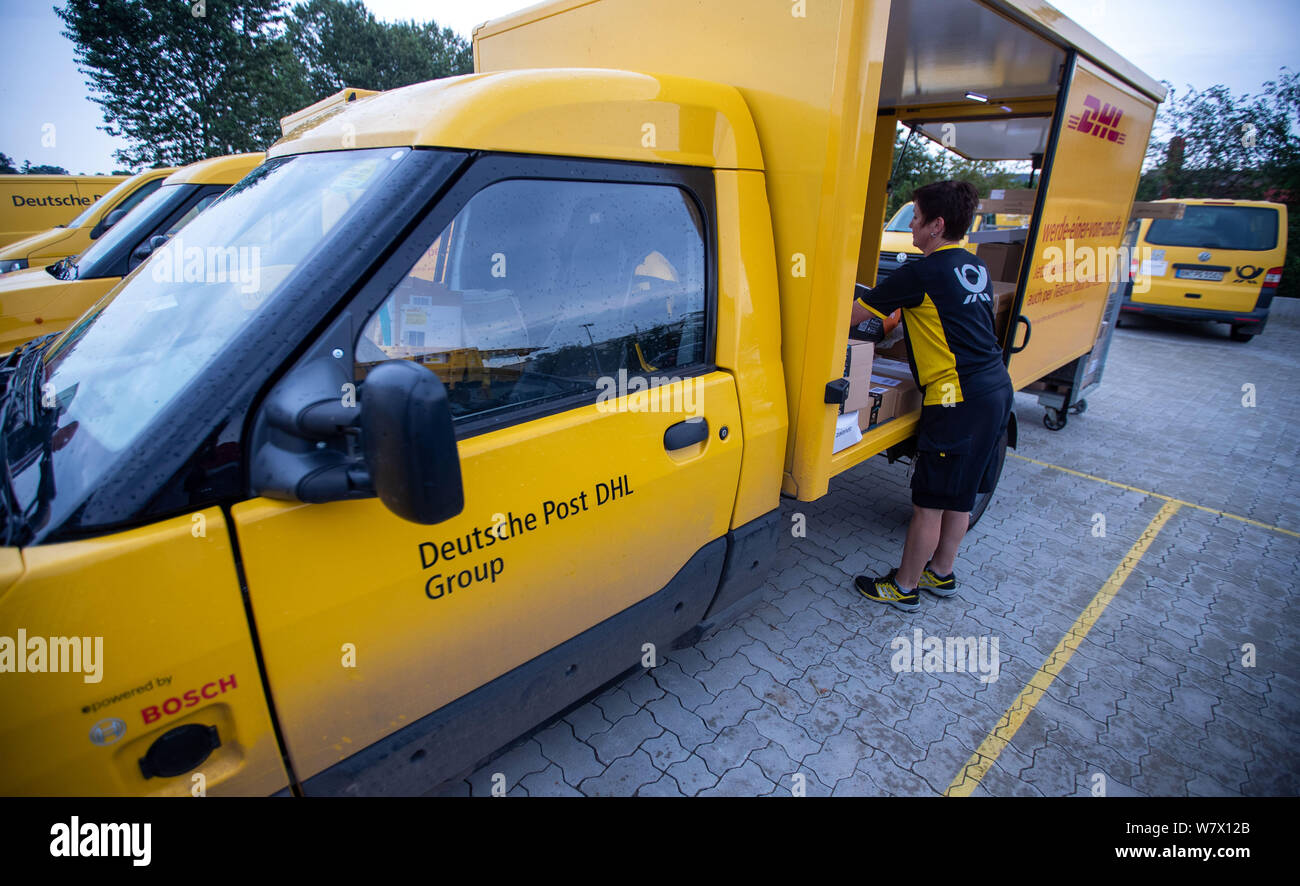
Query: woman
x=955, y=357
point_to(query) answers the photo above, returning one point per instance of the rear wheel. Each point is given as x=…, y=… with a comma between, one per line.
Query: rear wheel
x=982, y=499
x=1239, y=333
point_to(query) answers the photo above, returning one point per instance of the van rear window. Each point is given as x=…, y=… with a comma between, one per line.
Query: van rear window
x=1218, y=227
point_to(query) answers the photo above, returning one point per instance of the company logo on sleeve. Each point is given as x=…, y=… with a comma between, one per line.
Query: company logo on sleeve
x=1101, y=120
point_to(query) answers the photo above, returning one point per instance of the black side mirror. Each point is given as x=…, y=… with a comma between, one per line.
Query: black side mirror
x=149, y=247
x=107, y=222
x=305, y=445
x=410, y=442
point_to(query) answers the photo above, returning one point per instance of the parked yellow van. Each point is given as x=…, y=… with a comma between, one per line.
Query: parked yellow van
x=1222, y=262
x=896, y=247
x=37, y=301
x=61, y=241
x=32, y=204
x=507, y=400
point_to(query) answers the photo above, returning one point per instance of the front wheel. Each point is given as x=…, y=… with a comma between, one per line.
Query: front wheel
x=1054, y=419
x=982, y=499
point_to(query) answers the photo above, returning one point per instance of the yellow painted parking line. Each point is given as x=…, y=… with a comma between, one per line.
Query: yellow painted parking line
x=987, y=753
x=1180, y=501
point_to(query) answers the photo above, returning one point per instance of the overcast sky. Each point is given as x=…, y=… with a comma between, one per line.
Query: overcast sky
x=1240, y=43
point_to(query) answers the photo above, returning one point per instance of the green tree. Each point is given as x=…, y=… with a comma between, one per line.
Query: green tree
x=43, y=169
x=7, y=165
x=1212, y=143
x=339, y=43
x=182, y=81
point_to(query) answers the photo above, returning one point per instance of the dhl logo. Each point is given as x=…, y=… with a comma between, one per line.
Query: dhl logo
x=1101, y=120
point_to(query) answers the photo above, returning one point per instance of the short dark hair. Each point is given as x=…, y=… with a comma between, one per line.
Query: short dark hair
x=953, y=201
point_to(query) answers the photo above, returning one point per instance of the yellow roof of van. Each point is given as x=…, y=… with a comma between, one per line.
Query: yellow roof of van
x=1220, y=201
x=217, y=170
x=579, y=112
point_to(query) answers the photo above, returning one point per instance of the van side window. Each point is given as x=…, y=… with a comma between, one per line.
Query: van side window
x=537, y=289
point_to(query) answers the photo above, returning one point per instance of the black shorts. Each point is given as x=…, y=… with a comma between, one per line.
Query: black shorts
x=957, y=450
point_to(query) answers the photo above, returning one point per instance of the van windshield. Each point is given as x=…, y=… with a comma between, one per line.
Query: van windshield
x=902, y=219
x=136, y=223
x=125, y=359
x=1218, y=227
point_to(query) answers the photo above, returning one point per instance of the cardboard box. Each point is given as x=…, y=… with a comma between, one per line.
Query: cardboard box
x=899, y=396
x=891, y=368
x=857, y=369
x=1004, y=294
x=870, y=415
x=1016, y=201
x=1003, y=259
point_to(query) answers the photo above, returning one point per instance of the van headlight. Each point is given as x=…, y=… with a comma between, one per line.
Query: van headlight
x=12, y=264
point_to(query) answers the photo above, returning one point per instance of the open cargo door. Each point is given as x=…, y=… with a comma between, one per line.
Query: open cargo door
x=1088, y=183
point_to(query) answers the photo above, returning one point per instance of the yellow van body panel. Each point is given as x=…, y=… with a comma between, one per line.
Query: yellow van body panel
x=1085, y=212
x=49, y=246
x=225, y=170
x=163, y=603
x=1243, y=270
x=31, y=204
x=569, y=112
x=749, y=337
x=812, y=86
x=356, y=573
x=33, y=303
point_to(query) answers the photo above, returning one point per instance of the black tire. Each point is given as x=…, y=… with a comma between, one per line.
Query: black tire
x=982, y=499
x=1054, y=419
x=1237, y=334
x=1079, y=408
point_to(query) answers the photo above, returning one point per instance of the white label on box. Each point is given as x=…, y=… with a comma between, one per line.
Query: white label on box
x=998, y=194
x=847, y=432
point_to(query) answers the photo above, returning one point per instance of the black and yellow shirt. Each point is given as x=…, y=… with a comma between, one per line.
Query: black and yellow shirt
x=947, y=302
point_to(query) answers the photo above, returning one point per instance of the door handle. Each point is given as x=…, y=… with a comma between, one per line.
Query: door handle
x=1020, y=318
x=686, y=433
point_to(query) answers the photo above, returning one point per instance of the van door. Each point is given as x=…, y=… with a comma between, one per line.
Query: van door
x=130, y=668
x=1088, y=184
x=545, y=294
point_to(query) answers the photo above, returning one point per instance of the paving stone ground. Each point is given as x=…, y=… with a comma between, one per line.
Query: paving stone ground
x=1188, y=684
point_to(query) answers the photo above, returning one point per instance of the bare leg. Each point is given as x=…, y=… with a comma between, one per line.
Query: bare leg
x=922, y=538
x=953, y=529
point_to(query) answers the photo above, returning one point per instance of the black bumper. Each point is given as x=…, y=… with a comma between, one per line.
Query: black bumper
x=1254, y=319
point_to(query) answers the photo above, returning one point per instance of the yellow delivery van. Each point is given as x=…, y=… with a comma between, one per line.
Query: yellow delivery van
x=896, y=247
x=38, y=301
x=1222, y=262
x=501, y=386
x=32, y=204
x=61, y=241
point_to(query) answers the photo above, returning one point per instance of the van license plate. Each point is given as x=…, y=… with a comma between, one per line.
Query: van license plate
x=1197, y=274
